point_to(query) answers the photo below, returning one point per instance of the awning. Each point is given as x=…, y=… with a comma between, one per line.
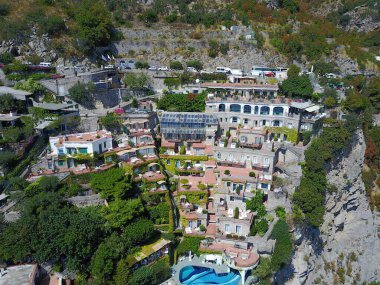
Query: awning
x=153, y=163
x=161, y=182
x=313, y=108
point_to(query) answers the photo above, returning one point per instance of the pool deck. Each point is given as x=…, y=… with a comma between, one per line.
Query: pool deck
x=196, y=261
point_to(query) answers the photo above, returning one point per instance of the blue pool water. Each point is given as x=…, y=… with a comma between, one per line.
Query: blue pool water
x=196, y=275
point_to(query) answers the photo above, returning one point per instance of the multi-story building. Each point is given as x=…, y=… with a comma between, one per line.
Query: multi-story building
x=65, y=148
x=190, y=127
x=280, y=112
x=139, y=119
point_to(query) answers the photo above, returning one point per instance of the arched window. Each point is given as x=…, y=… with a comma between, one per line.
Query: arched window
x=264, y=110
x=219, y=155
x=247, y=109
x=279, y=111
x=276, y=123
x=222, y=108
x=235, y=108
x=256, y=110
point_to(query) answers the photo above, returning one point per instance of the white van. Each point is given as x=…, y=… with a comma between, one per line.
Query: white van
x=223, y=70
x=45, y=64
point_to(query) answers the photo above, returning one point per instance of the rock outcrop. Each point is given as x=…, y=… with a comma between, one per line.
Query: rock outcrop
x=345, y=249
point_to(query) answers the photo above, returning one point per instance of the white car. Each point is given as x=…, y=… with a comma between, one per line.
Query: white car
x=191, y=69
x=152, y=68
x=110, y=66
x=163, y=68
x=205, y=71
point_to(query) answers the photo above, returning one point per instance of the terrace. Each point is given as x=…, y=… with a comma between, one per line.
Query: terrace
x=233, y=255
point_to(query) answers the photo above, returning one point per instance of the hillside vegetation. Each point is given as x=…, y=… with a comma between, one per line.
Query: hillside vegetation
x=296, y=29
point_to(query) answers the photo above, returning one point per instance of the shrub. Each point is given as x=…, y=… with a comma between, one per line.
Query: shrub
x=52, y=25
x=6, y=58
x=184, y=181
x=4, y=8
x=252, y=174
x=280, y=212
x=227, y=172
x=202, y=228
x=171, y=18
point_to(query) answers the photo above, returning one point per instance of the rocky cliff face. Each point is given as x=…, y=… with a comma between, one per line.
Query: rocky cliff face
x=346, y=250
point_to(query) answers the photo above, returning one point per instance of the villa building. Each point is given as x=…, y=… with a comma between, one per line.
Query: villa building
x=139, y=119
x=65, y=148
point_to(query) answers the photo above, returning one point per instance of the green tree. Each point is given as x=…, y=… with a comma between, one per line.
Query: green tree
x=297, y=86
x=104, y=260
x=94, y=23
x=112, y=184
x=9, y=104
x=123, y=273
x=293, y=70
x=372, y=90
x=8, y=159
x=283, y=247
x=136, y=81
x=81, y=238
x=172, y=83
x=143, y=276
x=121, y=212
x=112, y=122
x=141, y=65
x=83, y=93
x=195, y=63
x=176, y=65
x=263, y=270
x=330, y=102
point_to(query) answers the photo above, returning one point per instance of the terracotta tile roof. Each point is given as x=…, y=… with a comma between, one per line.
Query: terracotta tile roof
x=199, y=145
x=209, y=150
x=167, y=144
x=209, y=177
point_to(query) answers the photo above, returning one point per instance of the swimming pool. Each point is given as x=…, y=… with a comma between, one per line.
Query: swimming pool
x=196, y=275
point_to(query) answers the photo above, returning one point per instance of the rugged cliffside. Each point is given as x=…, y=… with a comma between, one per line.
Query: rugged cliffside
x=345, y=251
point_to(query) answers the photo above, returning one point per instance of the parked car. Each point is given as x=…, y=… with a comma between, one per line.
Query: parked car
x=191, y=69
x=152, y=68
x=57, y=76
x=205, y=71
x=110, y=66
x=163, y=68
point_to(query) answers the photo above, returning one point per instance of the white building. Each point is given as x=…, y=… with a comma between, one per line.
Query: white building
x=65, y=148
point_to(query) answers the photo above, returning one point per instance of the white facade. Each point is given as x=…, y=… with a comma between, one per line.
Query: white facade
x=81, y=143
